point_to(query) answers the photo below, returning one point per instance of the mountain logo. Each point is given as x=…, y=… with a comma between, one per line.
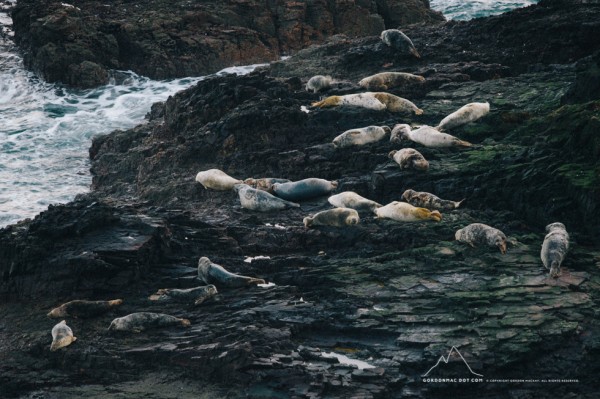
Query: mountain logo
x=447, y=359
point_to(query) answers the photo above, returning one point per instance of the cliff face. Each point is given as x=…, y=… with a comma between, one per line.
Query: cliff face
x=395, y=295
x=77, y=44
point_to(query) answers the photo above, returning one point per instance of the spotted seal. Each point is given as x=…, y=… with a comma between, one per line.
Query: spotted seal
x=62, y=336
x=390, y=80
x=262, y=201
x=555, y=247
x=466, y=114
x=318, y=83
x=84, y=309
x=361, y=136
x=211, y=273
x=216, y=179
x=196, y=294
x=429, y=201
x=265, y=183
x=482, y=234
x=350, y=199
x=378, y=101
x=338, y=217
x=403, y=212
x=141, y=321
x=304, y=189
x=399, y=41
x=409, y=158
x=427, y=136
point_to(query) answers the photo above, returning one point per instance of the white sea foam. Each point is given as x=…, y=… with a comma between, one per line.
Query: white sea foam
x=468, y=9
x=343, y=359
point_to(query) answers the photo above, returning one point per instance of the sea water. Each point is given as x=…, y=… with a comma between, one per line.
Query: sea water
x=46, y=129
x=468, y=9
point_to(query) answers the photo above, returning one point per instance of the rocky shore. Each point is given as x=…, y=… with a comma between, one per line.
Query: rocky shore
x=396, y=296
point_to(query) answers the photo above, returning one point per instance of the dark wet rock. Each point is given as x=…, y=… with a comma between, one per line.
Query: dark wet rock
x=77, y=43
x=587, y=84
x=396, y=296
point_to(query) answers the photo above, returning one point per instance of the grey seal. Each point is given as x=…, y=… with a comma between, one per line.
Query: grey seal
x=84, y=309
x=318, y=83
x=399, y=41
x=210, y=273
x=304, y=189
x=555, y=247
x=466, y=114
x=262, y=201
x=361, y=136
x=216, y=179
x=429, y=201
x=409, y=158
x=389, y=80
x=141, y=321
x=62, y=336
x=196, y=294
x=349, y=199
x=338, y=217
x=403, y=212
x=482, y=234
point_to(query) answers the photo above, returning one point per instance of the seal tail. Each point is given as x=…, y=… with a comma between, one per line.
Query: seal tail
x=463, y=143
x=328, y=102
x=185, y=322
x=554, y=269
x=256, y=281
x=307, y=221
x=154, y=297
x=458, y=203
x=435, y=216
x=115, y=302
x=292, y=204
x=418, y=111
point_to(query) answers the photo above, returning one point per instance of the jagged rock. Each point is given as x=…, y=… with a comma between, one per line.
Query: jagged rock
x=166, y=39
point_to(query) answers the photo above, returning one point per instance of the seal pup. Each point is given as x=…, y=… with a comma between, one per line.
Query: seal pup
x=141, y=321
x=262, y=201
x=389, y=80
x=84, y=309
x=209, y=273
x=196, y=294
x=429, y=201
x=371, y=100
x=482, y=234
x=349, y=199
x=265, y=183
x=465, y=114
x=555, y=247
x=318, y=83
x=409, y=158
x=62, y=336
x=403, y=212
x=427, y=136
x=216, y=179
x=338, y=217
x=304, y=189
x=361, y=136
x=399, y=41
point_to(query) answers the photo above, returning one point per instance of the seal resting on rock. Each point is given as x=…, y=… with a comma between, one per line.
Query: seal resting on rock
x=304, y=189
x=482, y=234
x=141, y=321
x=62, y=336
x=409, y=158
x=349, y=199
x=262, y=201
x=210, y=273
x=361, y=136
x=468, y=113
x=555, y=247
x=265, y=183
x=429, y=201
x=338, y=217
x=318, y=83
x=84, y=309
x=216, y=179
x=427, y=136
x=403, y=212
x=390, y=80
x=399, y=41
x=196, y=294
x=371, y=100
